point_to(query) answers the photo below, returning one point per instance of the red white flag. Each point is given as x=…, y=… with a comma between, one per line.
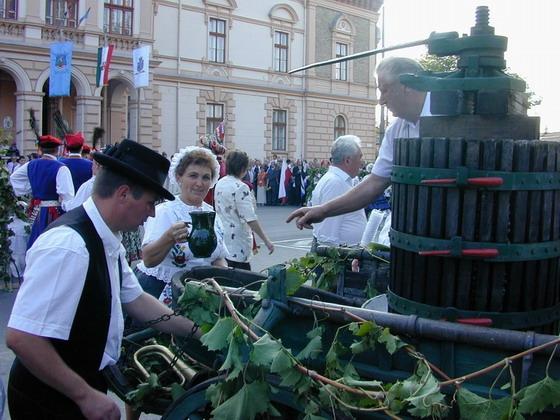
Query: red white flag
x=220, y=131
x=104, y=55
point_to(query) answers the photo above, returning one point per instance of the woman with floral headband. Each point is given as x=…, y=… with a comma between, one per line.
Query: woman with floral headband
x=165, y=250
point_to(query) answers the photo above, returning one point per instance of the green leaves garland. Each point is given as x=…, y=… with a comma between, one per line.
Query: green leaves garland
x=247, y=388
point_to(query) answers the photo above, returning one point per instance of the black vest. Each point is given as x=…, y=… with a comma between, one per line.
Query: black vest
x=84, y=349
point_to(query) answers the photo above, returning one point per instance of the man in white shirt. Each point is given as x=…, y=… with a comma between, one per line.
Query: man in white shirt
x=67, y=323
x=50, y=183
x=346, y=161
x=407, y=105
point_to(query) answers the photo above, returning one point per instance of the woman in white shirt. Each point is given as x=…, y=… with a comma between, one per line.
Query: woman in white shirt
x=165, y=250
x=235, y=206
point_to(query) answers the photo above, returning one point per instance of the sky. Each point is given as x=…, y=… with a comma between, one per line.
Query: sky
x=532, y=29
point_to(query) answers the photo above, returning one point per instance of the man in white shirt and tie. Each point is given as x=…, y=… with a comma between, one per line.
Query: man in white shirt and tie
x=346, y=161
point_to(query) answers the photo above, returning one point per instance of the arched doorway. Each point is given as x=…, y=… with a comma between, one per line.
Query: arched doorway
x=119, y=111
x=8, y=111
x=66, y=105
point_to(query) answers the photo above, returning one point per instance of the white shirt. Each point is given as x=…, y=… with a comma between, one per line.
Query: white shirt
x=54, y=278
x=235, y=205
x=64, y=185
x=83, y=193
x=346, y=229
x=180, y=257
x=400, y=128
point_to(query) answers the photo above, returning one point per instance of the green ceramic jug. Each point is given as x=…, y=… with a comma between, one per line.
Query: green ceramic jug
x=202, y=238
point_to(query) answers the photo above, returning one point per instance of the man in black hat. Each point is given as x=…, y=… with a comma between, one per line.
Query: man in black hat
x=67, y=322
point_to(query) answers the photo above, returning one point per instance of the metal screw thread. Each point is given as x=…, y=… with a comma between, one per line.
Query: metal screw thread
x=482, y=16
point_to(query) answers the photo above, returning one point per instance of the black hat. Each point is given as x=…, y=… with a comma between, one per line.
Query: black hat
x=139, y=163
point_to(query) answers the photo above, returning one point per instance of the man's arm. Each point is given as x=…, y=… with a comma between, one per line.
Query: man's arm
x=20, y=181
x=146, y=308
x=64, y=184
x=355, y=199
x=40, y=357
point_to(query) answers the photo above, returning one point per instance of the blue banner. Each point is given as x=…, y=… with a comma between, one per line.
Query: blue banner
x=61, y=69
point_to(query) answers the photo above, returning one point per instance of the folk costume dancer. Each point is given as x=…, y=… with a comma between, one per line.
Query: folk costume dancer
x=75, y=269
x=48, y=181
x=80, y=168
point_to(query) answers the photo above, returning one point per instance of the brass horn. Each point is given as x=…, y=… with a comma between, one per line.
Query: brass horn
x=183, y=372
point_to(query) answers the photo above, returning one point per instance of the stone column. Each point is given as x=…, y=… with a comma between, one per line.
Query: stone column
x=88, y=110
x=26, y=140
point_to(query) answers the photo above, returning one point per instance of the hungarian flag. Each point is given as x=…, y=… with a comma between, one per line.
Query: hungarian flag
x=104, y=55
x=220, y=131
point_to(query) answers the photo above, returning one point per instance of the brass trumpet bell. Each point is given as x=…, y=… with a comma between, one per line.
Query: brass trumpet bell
x=165, y=357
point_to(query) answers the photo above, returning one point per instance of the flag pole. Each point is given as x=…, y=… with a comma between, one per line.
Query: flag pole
x=105, y=104
x=59, y=103
x=138, y=91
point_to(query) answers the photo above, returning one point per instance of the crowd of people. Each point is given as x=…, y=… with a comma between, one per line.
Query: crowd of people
x=77, y=264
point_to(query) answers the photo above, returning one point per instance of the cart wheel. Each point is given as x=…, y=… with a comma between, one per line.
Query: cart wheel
x=194, y=405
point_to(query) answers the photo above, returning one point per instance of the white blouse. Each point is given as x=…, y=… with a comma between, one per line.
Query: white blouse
x=235, y=205
x=179, y=258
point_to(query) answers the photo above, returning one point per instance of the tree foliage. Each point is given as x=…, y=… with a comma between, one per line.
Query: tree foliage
x=437, y=64
x=445, y=64
x=8, y=209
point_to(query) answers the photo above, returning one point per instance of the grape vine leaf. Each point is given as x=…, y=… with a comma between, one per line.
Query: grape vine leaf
x=143, y=391
x=290, y=377
x=536, y=397
x=427, y=400
x=333, y=365
x=263, y=292
x=282, y=362
x=350, y=372
x=265, y=351
x=199, y=305
x=361, y=329
x=472, y=406
x=233, y=359
x=250, y=400
x=293, y=280
x=421, y=391
x=312, y=349
x=217, y=337
x=214, y=393
x=392, y=342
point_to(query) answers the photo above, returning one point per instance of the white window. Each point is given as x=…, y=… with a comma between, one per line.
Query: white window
x=214, y=116
x=339, y=126
x=281, y=51
x=8, y=9
x=117, y=18
x=217, y=40
x=341, y=69
x=279, y=129
x=61, y=13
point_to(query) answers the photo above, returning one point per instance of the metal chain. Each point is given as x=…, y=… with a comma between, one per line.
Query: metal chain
x=181, y=351
x=164, y=317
